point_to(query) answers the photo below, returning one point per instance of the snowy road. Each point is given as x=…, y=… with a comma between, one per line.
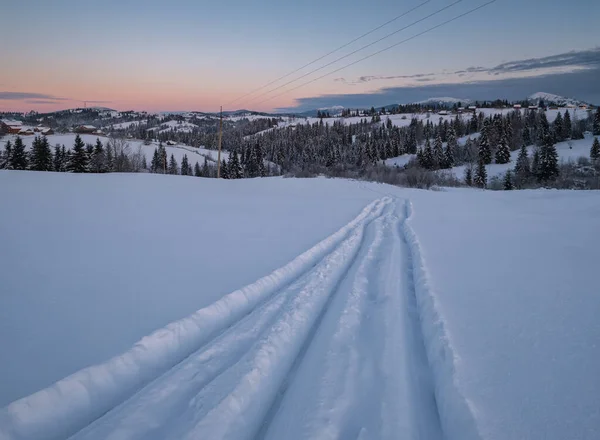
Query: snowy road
x=329, y=346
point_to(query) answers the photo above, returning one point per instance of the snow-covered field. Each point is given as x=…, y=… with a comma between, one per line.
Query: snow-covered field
x=368, y=311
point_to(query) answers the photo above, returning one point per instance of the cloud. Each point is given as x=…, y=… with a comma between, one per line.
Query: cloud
x=573, y=58
x=99, y=102
x=569, y=61
x=583, y=85
x=22, y=96
x=40, y=101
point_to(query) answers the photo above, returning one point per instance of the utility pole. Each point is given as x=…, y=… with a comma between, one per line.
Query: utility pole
x=220, y=140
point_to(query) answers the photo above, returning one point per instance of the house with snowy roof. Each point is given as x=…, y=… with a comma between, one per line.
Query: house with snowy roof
x=82, y=129
x=10, y=126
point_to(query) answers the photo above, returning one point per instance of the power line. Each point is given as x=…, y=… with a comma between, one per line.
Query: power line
x=381, y=51
x=332, y=52
x=358, y=50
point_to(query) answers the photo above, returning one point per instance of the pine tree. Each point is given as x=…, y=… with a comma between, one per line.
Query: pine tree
x=89, y=154
x=57, y=162
x=543, y=129
x=508, y=184
x=5, y=158
x=503, y=151
x=548, y=168
x=481, y=175
x=535, y=163
x=595, y=151
x=567, y=126
x=18, y=158
x=439, y=158
x=469, y=176
x=41, y=155
x=559, y=127
x=197, y=171
x=205, y=168
x=78, y=161
x=224, y=170
x=98, y=161
x=234, y=166
x=110, y=160
x=485, y=153
x=173, y=168
x=596, y=126
x=527, y=135
x=185, y=166
x=427, y=160
x=451, y=148
x=522, y=169
x=155, y=163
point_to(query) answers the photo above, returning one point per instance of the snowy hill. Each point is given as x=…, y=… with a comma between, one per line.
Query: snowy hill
x=550, y=98
x=373, y=311
x=444, y=101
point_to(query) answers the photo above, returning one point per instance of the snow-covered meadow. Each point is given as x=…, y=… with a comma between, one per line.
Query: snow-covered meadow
x=458, y=314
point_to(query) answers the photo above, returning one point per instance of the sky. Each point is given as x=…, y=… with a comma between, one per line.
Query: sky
x=198, y=55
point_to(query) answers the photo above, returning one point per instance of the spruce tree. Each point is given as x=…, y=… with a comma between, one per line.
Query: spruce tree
x=527, y=135
x=41, y=155
x=78, y=161
x=89, y=154
x=185, y=166
x=205, y=168
x=110, y=160
x=522, y=168
x=197, y=171
x=469, y=176
x=548, y=168
x=503, y=151
x=155, y=163
x=595, y=151
x=535, y=163
x=173, y=168
x=485, y=152
x=543, y=129
x=18, y=158
x=439, y=158
x=235, y=168
x=224, y=170
x=57, y=162
x=451, y=148
x=559, y=127
x=5, y=157
x=427, y=156
x=98, y=161
x=481, y=174
x=596, y=125
x=567, y=126
x=508, y=184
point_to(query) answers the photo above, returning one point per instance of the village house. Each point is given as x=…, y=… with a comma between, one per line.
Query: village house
x=85, y=129
x=10, y=126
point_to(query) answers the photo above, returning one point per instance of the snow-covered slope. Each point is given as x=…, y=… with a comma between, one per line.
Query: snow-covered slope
x=356, y=310
x=549, y=97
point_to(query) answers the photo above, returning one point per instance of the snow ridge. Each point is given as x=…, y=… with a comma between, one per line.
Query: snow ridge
x=455, y=411
x=72, y=403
